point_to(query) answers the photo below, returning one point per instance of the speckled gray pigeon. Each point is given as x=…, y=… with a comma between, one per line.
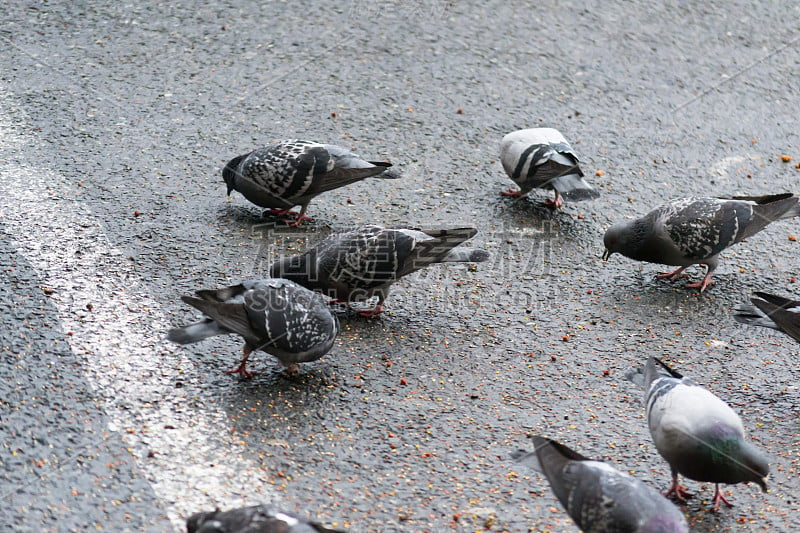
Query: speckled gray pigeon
x=356, y=265
x=540, y=158
x=276, y=316
x=293, y=172
x=698, y=434
x=597, y=496
x=771, y=311
x=692, y=231
x=254, y=519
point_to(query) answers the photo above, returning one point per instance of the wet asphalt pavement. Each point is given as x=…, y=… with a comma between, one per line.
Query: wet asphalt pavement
x=115, y=122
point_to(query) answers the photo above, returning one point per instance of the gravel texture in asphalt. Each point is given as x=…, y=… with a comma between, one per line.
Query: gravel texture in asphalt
x=115, y=122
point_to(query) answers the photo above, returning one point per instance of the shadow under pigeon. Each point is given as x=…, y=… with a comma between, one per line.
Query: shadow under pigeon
x=248, y=216
x=529, y=206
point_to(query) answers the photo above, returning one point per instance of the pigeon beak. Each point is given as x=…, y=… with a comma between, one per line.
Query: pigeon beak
x=606, y=254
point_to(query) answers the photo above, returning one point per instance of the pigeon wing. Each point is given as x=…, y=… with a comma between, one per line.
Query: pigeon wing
x=364, y=258
x=783, y=312
x=701, y=228
x=286, y=169
x=288, y=318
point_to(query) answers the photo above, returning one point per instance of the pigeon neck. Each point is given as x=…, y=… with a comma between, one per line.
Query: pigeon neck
x=295, y=268
x=638, y=242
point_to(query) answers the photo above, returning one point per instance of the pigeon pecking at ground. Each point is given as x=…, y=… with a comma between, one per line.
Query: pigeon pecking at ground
x=598, y=497
x=540, y=158
x=698, y=434
x=276, y=316
x=293, y=172
x=254, y=519
x=362, y=263
x=693, y=231
x=771, y=311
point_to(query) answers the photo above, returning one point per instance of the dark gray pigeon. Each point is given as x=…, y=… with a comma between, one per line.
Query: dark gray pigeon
x=597, y=496
x=293, y=172
x=698, y=434
x=276, y=316
x=255, y=519
x=771, y=311
x=540, y=158
x=693, y=231
x=362, y=263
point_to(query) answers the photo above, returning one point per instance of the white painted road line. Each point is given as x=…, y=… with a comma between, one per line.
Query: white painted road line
x=121, y=340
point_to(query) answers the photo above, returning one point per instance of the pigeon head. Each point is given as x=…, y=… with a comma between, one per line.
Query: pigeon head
x=744, y=462
x=230, y=171
x=626, y=238
x=754, y=464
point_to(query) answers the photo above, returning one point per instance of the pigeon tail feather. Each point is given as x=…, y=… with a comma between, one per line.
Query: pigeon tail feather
x=220, y=295
x=574, y=188
x=636, y=376
x=783, y=319
x=769, y=209
x=196, y=332
x=528, y=459
x=388, y=174
x=751, y=315
x=342, y=176
x=644, y=375
x=779, y=301
x=466, y=255
x=438, y=249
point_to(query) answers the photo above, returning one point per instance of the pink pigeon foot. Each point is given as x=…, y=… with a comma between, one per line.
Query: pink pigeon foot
x=242, y=368
x=556, y=203
x=675, y=274
x=701, y=284
x=512, y=193
x=242, y=371
x=293, y=370
x=719, y=498
x=677, y=490
x=297, y=221
x=372, y=313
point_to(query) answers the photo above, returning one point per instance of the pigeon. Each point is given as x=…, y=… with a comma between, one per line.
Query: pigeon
x=276, y=316
x=771, y=311
x=540, y=158
x=293, y=172
x=359, y=264
x=691, y=231
x=254, y=519
x=698, y=434
x=597, y=496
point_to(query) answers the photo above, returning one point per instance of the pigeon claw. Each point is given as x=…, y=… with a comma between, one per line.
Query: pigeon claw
x=297, y=221
x=677, y=490
x=719, y=498
x=242, y=368
x=672, y=276
x=512, y=193
x=701, y=284
x=555, y=203
x=242, y=371
x=372, y=313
